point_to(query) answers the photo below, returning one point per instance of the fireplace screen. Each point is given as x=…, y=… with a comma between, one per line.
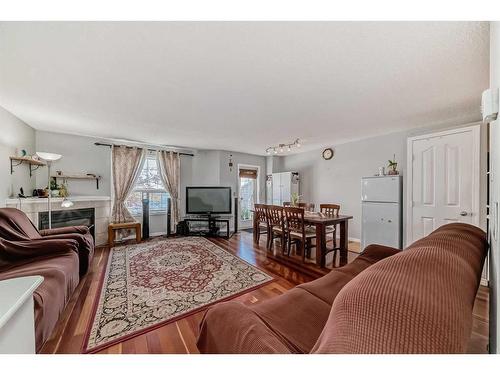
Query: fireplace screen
x=66, y=218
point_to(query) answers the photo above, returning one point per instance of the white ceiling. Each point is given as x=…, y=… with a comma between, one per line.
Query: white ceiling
x=242, y=86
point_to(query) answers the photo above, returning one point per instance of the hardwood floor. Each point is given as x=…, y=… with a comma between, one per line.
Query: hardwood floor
x=180, y=336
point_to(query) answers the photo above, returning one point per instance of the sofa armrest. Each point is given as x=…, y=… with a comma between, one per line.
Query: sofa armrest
x=85, y=246
x=379, y=252
x=81, y=229
x=12, y=252
x=232, y=328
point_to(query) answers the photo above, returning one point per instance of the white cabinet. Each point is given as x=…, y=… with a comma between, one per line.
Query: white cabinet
x=17, y=315
x=285, y=184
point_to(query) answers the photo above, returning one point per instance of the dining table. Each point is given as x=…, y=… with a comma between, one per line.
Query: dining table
x=321, y=221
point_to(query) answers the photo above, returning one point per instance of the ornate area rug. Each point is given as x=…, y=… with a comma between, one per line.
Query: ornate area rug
x=156, y=282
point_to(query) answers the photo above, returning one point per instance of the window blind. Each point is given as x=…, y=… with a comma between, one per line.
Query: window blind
x=248, y=173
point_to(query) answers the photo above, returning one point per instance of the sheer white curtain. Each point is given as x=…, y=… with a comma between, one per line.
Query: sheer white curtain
x=170, y=167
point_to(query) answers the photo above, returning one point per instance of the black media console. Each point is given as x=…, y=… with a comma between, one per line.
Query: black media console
x=209, y=225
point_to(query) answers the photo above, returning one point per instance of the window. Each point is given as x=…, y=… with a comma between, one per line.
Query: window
x=149, y=183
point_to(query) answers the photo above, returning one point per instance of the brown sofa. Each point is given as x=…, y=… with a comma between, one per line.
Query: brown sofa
x=60, y=255
x=386, y=301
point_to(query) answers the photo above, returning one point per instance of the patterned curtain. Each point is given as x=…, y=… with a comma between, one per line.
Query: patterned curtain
x=127, y=164
x=170, y=167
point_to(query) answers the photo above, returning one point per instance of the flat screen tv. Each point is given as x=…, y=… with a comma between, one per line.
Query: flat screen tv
x=208, y=200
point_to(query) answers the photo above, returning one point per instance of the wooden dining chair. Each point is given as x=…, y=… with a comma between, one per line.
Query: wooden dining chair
x=287, y=204
x=331, y=210
x=307, y=206
x=297, y=232
x=276, y=225
x=262, y=226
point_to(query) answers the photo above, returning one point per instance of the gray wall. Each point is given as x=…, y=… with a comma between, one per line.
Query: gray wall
x=211, y=168
x=15, y=135
x=339, y=180
x=79, y=156
x=494, y=257
x=231, y=177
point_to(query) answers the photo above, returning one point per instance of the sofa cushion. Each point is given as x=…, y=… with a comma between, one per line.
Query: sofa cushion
x=61, y=277
x=233, y=328
x=327, y=287
x=297, y=317
x=418, y=301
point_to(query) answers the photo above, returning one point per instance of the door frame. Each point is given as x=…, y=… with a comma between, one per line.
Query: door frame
x=257, y=192
x=475, y=131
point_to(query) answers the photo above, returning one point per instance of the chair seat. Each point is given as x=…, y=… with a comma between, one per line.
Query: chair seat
x=330, y=229
x=277, y=229
x=309, y=234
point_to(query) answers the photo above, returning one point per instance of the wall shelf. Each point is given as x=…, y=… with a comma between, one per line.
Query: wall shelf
x=78, y=177
x=18, y=160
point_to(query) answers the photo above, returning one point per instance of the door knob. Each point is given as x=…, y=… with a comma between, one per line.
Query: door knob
x=464, y=213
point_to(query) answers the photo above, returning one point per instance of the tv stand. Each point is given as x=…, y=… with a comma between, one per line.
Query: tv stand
x=212, y=229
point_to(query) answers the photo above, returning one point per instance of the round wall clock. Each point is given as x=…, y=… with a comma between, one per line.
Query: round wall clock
x=327, y=153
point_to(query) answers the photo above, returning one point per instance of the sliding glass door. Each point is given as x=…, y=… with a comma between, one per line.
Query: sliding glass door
x=248, y=196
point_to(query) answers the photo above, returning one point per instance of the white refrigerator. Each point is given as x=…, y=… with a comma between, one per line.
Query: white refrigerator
x=382, y=211
x=285, y=184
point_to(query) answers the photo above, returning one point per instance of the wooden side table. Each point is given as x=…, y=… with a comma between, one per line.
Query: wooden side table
x=115, y=226
x=17, y=315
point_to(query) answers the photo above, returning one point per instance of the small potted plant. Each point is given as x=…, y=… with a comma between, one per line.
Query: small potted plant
x=295, y=199
x=393, y=166
x=54, y=188
x=63, y=191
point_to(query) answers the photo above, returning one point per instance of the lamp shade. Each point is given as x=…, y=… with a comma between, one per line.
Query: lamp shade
x=48, y=156
x=66, y=203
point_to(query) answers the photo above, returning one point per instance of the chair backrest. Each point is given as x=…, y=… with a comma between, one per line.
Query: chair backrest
x=329, y=209
x=261, y=212
x=287, y=204
x=307, y=206
x=275, y=216
x=295, y=219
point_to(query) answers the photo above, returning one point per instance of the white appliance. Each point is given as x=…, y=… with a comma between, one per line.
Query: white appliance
x=489, y=105
x=269, y=189
x=382, y=211
x=284, y=185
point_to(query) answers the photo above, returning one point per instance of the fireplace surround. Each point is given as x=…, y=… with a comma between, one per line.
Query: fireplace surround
x=35, y=207
x=66, y=218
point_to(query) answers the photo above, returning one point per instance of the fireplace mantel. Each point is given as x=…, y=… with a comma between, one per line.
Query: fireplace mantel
x=78, y=198
x=101, y=204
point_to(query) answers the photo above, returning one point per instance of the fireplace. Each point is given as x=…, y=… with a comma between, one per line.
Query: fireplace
x=66, y=218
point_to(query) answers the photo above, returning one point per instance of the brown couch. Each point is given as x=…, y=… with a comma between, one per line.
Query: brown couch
x=60, y=255
x=385, y=301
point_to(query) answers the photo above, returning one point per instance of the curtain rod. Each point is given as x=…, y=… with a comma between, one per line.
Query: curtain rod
x=149, y=149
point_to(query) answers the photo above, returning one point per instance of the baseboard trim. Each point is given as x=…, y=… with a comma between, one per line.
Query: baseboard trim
x=351, y=239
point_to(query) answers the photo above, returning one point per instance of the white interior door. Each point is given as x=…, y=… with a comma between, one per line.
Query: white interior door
x=443, y=180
